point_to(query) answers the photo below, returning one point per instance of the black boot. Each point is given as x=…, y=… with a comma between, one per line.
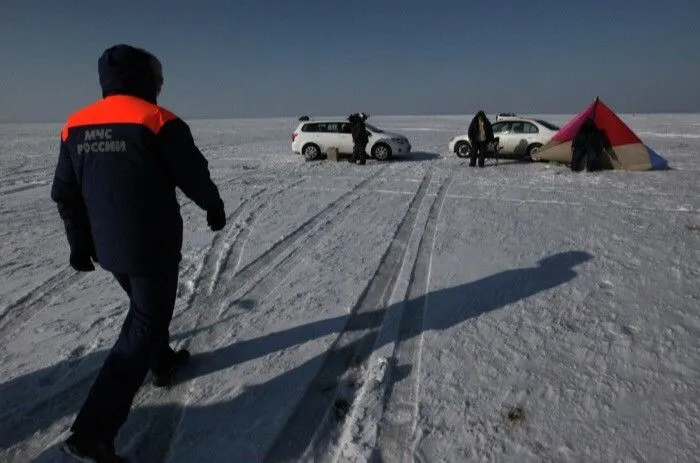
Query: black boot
x=91, y=450
x=165, y=378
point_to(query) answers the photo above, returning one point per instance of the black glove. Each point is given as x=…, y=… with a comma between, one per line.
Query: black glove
x=216, y=218
x=81, y=262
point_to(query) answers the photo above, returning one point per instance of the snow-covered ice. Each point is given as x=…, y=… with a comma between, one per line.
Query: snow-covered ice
x=417, y=309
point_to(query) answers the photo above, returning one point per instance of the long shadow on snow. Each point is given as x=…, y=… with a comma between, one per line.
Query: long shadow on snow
x=245, y=427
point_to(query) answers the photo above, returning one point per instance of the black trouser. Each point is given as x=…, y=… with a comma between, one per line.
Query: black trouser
x=143, y=344
x=478, y=149
x=588, y=158
x=358, y=151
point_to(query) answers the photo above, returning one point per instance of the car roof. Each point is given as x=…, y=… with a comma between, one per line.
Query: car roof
x=323, y=119
x=516, y=118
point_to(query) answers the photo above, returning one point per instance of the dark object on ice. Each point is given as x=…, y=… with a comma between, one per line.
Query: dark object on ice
x=120, y=162
x=514, y=415
x=588, y=147
x=304, y=118
x=480, y=135
x=341, y=407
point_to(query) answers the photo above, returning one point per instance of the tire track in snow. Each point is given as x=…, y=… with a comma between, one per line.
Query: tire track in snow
x=222, y=248
x=209, y=268
x=21, y=188
x=398, y=423
x=312, y=425
x=264, y=271
x=234, y=250
x=219, y=184
x=29, y=305
x=154, y=443
x=357, y=440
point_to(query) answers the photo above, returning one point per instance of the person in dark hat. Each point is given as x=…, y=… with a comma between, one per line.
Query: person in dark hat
x=480, y=135
x=359, y=137
x=120, y=162
x=588, y=147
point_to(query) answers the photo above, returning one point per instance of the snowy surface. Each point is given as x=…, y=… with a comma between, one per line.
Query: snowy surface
x=416, y=309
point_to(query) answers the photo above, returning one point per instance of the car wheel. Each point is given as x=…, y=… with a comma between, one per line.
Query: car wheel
x=381, y=151
x=311, y=152
x=531, y=150
x=463, y=149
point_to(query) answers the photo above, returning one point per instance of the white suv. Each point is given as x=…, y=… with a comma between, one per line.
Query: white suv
x=518, y=136
x=313, y=137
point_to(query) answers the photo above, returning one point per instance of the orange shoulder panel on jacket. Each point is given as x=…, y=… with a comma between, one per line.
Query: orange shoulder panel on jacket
x=120, y=109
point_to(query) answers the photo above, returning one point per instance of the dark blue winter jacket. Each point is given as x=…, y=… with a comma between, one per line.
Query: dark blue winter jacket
x=120, y=160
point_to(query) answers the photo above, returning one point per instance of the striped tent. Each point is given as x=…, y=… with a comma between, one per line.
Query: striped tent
x=627, y=151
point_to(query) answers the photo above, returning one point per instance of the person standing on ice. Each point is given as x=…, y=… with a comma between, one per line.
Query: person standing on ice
x=120, y=161
x=359, y=137
x=480, y=135
x=587, y=147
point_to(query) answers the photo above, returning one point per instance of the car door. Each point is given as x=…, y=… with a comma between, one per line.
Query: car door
x=532, y=133
x=328, y=135
x=523, y=135
x=346, y=144
x=502, y=131
x=512, y=142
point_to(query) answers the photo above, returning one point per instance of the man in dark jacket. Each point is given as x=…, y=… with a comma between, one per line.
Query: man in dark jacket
x=480, y=135
x=359, y=137
x=587, y=147
x=120, y=160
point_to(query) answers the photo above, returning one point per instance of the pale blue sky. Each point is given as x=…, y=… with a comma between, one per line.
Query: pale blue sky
x=260, y=58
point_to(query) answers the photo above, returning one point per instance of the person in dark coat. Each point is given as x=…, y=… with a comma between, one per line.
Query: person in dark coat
x=359, y=137
x=587, y=147
x=480, y=135
x=120, y=162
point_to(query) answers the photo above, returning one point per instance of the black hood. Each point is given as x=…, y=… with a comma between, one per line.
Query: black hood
x=126, y=70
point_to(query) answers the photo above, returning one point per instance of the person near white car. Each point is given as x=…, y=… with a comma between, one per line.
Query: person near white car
x=359, y=137
x=313, y=138
x=480, y=134
x=519, y=137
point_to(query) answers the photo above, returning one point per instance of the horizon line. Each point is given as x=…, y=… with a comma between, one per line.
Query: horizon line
x=232, y=118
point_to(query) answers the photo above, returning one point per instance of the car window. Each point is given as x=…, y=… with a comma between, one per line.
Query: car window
x=500, y=127
x=333, y=127
x=345, y=128
x=323, y=127
x=518, y=127
x=530, y=128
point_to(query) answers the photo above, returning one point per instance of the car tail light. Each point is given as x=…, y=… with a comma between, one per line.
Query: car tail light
x=294, y=136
